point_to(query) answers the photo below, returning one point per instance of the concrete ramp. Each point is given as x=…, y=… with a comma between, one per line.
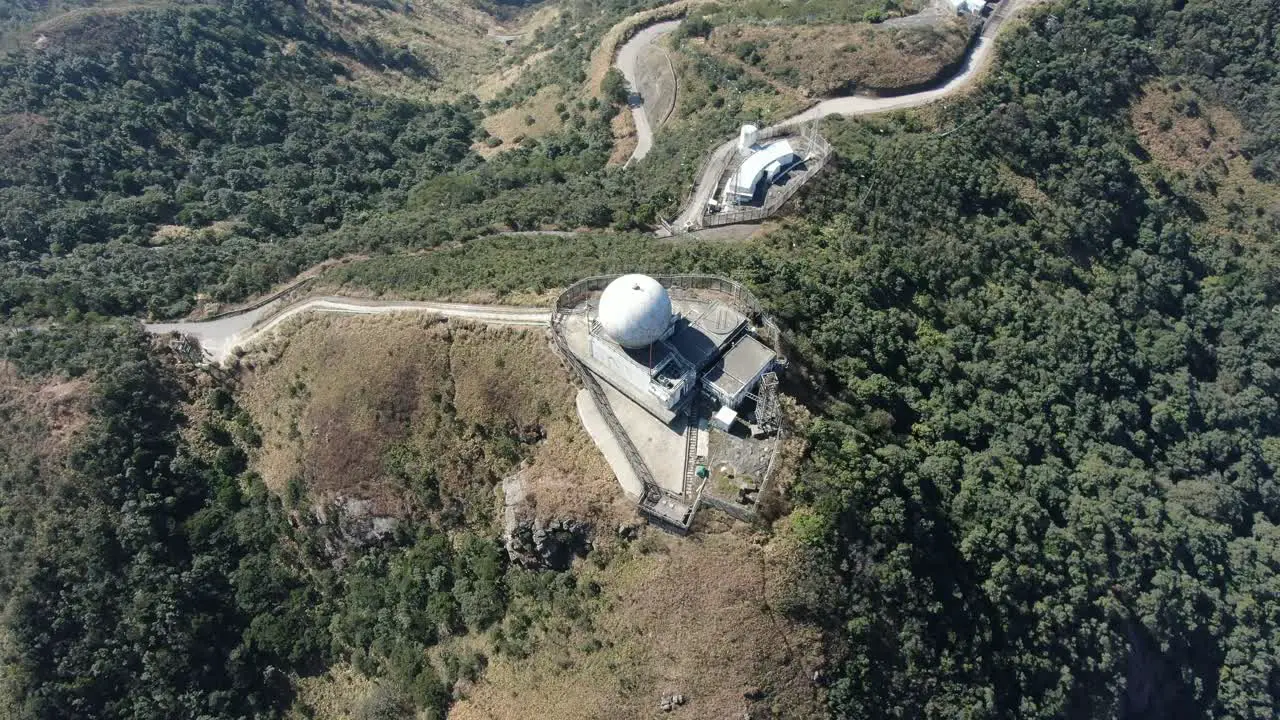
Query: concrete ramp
x=603, y=437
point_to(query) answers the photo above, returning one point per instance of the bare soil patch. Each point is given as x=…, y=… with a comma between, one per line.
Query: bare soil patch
x=624, y=137
x=42, y=417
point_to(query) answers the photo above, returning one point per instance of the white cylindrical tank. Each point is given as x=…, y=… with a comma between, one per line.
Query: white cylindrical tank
x=747, y=137
x=635, y=311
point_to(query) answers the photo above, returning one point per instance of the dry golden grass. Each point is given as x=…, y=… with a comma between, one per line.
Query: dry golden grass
x=533, y=118
x=1200, y=144
x=338, y=694
x=690, y=616
x=1027, y=188
x=821, y=60
x=334, y=392
x=526, y=25
x=488, y=87
x=624, y=137
x=450, y=36
x=43, y=416
x=455, y=38
x=775, y=101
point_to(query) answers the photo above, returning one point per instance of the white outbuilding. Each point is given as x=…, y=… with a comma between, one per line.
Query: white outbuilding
x=635, y=311
x=763, y=165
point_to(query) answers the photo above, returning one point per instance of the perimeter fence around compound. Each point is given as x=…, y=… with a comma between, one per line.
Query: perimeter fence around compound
x=581, y=291
x=817, y=152
x=652, y=492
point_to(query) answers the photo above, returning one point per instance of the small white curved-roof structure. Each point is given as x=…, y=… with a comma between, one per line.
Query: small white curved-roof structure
x=635, y=311
x=763, y=163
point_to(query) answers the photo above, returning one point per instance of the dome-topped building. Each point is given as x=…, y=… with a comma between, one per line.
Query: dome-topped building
x=635, y=311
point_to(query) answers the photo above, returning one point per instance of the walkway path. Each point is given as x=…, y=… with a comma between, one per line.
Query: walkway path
x=220, y=338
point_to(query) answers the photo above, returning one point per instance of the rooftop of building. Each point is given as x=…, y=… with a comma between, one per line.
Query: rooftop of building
x=740, y=364
x=698, y=338
x=704, y=326
x=762, y=157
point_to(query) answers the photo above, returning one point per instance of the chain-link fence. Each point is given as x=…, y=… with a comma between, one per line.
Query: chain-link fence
x=816, y=151
x=652, y=492
x=582, y=291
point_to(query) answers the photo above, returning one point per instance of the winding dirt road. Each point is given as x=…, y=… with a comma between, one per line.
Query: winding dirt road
x=220, y=338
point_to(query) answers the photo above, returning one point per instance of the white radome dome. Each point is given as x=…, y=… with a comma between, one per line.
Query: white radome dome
x=635, y=311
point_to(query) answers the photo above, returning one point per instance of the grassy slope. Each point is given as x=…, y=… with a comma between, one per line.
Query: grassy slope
x=820, y=60
x=334, y=395
x=1196, y=146
x=801, y=12
x=695, y=617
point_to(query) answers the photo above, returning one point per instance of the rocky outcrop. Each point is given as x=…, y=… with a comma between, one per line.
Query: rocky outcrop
x=551, y=545
x=345, y=526
x=533, y=542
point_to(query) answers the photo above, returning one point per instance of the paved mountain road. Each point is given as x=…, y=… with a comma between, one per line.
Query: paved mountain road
x=628, y=61
x=220, y=338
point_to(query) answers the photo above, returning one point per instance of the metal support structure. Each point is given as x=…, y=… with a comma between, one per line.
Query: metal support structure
x=767, y=402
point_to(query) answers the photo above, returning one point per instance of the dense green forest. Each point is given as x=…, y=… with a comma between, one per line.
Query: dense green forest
x=1042, y=480
x=152, y=575
x=277, y=165
x=1042, y=483
x=127, y=122
x=1045, y=482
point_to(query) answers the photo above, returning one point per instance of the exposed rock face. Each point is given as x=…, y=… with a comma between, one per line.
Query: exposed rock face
x=346, y=525
x=550, y=546
x=534, y=543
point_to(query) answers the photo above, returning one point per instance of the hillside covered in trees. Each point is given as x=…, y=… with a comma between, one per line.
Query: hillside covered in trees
x=1045, y=482
x=1037, y=330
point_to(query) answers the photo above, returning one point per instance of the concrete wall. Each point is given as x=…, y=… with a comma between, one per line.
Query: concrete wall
x=626, y=370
